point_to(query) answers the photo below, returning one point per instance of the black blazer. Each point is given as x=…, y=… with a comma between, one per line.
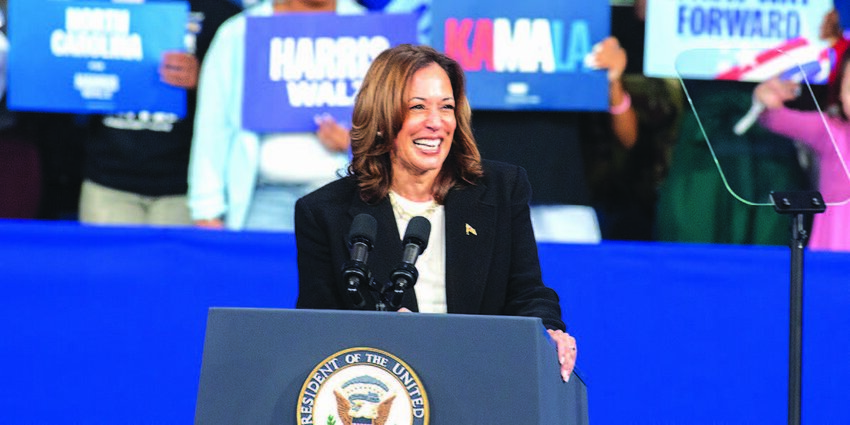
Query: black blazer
x=495, y=271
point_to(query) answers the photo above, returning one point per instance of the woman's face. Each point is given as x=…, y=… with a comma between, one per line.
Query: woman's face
x=425, y=138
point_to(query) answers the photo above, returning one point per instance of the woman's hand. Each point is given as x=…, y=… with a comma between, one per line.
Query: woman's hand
x=774, y=92
x=607, y=54
x=333, y=136
x=567, y=351
x=179, y=69
x=210, y=223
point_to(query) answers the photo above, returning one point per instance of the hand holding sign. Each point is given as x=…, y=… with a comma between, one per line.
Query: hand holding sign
x=179, y=69
x=607, y=54
x=333, y=136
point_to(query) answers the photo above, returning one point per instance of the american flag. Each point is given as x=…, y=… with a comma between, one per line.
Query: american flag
x=795, y=59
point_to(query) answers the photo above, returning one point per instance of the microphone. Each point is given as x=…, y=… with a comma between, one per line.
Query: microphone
x=405, y=274
x=355, y=272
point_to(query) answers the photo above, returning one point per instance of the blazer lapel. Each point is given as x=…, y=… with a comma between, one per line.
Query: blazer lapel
x=470, y=235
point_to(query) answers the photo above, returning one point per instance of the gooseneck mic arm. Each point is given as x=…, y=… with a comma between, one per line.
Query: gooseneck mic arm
x=355, y=271
x=405, y=275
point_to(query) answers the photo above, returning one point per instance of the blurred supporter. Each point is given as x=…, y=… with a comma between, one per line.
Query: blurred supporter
x=240, y=179
x=607, y=54
x=556, y=147
x=136, y=162
x=831, y=229
x=832, y=31
x=626, y=152
x=4, y=51
x=695, y=205
x=419, y=8
x=20, y=170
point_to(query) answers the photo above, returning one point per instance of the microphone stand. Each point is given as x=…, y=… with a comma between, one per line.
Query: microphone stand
x=388, y=294
x=379, y=291
x=800, y=205
x=404, y=276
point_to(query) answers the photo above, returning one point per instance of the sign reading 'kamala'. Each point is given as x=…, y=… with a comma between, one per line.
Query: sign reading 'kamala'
x=525, y=55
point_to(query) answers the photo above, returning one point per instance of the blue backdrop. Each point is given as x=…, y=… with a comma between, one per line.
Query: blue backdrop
x=106, y=325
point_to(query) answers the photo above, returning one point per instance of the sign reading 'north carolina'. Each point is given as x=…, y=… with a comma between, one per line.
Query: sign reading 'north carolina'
x=94, y=56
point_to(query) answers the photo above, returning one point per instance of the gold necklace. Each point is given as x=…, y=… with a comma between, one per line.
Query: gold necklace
x=428, y=208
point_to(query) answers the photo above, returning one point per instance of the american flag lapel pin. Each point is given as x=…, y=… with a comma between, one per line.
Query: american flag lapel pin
x=470, y=230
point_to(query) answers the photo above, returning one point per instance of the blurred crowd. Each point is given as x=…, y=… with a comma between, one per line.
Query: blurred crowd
x=644, y=165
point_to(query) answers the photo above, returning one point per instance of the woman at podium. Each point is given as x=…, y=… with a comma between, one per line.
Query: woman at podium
x=414, y=155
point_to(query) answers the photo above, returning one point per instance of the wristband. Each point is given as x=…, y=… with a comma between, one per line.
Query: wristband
x=624, y=105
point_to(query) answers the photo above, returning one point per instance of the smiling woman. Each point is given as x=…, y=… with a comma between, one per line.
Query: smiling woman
x=413, y=94
x=414, y=155
x=425, y=138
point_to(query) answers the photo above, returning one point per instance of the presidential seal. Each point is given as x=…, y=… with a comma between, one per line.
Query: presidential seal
x=362, y=386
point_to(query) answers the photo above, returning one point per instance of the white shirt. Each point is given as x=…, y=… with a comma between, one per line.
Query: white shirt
x=430, y=288
x=298, y=158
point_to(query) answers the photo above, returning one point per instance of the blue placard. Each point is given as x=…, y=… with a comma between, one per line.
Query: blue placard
x=93, y=56
x=298, y=66
x=525, y=55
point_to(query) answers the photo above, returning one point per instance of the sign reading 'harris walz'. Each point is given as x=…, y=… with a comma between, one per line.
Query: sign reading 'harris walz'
x=362, y=386
x=301, y=65
x=93, y=56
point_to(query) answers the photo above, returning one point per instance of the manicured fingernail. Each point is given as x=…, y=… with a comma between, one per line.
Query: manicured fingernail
x=565, y=376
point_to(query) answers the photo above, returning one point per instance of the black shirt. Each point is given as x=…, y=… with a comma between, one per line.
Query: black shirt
x=148, y=152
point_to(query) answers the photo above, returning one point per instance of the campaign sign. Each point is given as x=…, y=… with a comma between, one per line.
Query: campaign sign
x=303, y=65
x=525, y=54
x=742, y=40
x=93, y=56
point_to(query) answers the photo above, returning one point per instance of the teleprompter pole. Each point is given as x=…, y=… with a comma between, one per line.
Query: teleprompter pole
x=799, y=205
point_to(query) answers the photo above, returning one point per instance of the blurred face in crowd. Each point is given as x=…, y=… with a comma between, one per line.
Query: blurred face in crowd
x=640, y=9
x=425, y=138
x=304, y=5
x=318, y=4
x=830, y=28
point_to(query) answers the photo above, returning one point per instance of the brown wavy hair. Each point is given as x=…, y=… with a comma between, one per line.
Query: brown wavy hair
x=380, y=109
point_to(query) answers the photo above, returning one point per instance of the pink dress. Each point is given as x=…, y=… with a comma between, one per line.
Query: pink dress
x=831, y=230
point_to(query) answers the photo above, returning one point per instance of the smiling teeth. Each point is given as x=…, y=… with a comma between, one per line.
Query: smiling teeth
x=427, y=143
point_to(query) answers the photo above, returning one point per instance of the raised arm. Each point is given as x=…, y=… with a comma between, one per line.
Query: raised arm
x=807, y=127
x=608, y=54
x=216, y=127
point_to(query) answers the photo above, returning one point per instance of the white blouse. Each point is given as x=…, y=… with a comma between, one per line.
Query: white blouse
x=431, y=286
